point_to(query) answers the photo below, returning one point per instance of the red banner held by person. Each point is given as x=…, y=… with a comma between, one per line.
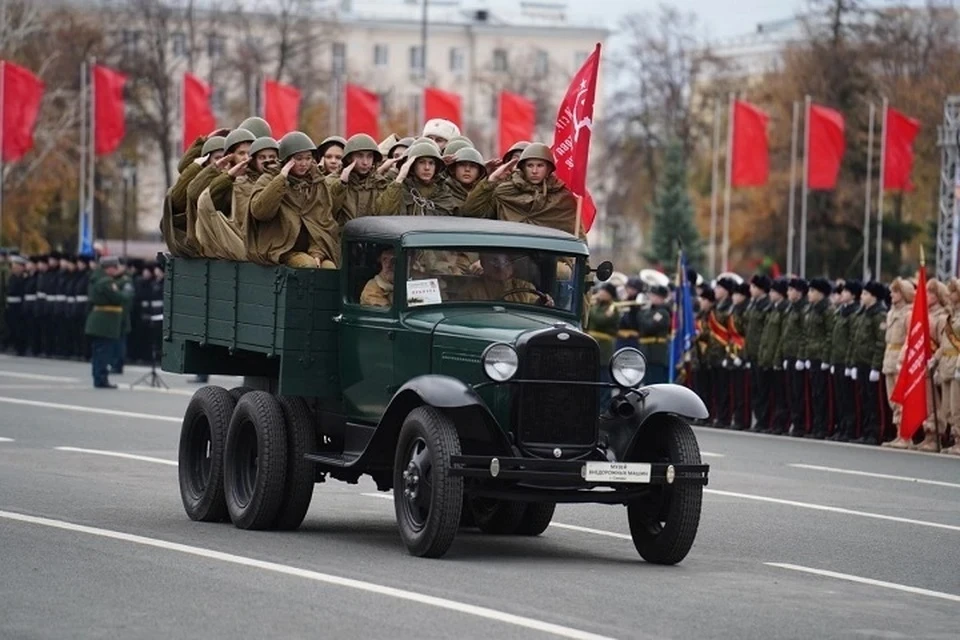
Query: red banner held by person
x=900, y=133
x=826, y=146
x=571, y=137
x=910, y=390
x=442, y=104
x=22, y=93
x=751, y=153
x=198, y=117
x=518, y=120
x=362, y=108
x=109, y=109
x=281, y=107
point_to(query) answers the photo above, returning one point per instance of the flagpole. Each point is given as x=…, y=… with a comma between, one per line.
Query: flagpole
x=3, y=82
x=92, y=186
x=806, y=181
x=82, y=196
x=714, y=187
x=791, y=208
x=883, y=153
x=866, y=208
x=726, y=194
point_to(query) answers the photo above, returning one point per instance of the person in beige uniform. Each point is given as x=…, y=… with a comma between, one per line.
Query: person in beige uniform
x=498, y=283
x=938, y=299
x=950, y=347
x=902, y=292
x=378, y=292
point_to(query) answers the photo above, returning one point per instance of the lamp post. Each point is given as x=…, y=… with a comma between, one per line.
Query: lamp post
x=128, y=173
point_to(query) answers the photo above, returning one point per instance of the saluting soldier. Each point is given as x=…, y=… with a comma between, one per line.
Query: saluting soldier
x=845, y=406
x=736, y=358
x=791, y=347
x=771, y=359
x=867, y=347
x=105, y=321
x=654, y=320
x=356, y=189
x=756, y=317
x=817, y=326
x=898, y=321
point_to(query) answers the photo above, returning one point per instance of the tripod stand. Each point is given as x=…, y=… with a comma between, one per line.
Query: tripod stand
x=152, y=378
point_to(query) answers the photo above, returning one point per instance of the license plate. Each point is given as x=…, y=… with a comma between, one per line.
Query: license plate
x=635, y=472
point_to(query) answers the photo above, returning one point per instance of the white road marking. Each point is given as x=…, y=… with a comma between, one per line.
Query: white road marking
x=38, y=387
x=82, y=409
x=6, y=439
x=868, y=581
x=707, y=454
x=822, y=507
x=382, y=496
x=173, y=392
x=36, y=376
x=869, y=474
x=118, y=454
x=316, y=576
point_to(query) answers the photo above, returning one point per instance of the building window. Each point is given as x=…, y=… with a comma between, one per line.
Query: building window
x=215, y=45
x=499, y=59
x=380, y=55
x=178, y=44
x=339, y=58
x=541, y=64
x=458, y=60
x=579, y=57
x=416, y=58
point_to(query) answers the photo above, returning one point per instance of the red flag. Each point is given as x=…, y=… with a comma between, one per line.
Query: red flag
x=900, y=133
x=198, y=118
x=571, y=136
x=108, y=107
x=21, y=92
x=911, y=388
x=442, y=104
x=281, y=107
x=751, y=153
x=518, y=119
x=825, y=147
x=363, y=111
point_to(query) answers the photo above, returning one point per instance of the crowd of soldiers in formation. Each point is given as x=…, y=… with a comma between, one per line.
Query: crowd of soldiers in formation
x=805, y=358
x=46, y=304
x=243, y=195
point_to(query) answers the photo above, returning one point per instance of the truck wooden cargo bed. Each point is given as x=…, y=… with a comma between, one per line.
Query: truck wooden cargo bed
x=240, y=318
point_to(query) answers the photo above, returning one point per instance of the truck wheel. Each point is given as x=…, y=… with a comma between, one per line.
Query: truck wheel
x=255, y=461
x=427, y=500
x=301, y=440
x=536, y=518
x=200, y=460
x=239, y=392
x=664, y=525
x=497, y=517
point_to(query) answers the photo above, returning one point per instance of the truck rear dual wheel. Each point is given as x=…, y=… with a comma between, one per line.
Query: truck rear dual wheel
x=301, y=475
x=200, y=458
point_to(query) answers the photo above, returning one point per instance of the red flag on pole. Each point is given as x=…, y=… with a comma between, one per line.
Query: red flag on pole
x=442, y=104
x=518, y=119
x=571, y=136
x=21, y=93
x=900, y=134
x=363, y=111
x=198, y=118
x=751, y=154
x=108, y=108
x=281, y=107
x=911, y=388
x=826, y=146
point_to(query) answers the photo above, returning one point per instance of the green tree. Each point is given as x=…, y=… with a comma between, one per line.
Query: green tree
x=673, y=213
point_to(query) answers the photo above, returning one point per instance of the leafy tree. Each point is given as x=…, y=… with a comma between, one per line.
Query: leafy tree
x=673, y=212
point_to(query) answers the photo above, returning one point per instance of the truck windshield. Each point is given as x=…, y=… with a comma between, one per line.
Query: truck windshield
x=492, y=275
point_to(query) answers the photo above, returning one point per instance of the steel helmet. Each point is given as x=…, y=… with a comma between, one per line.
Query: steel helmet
x=402, y=142
x=423, y=140
x=517, y=146
x=293, y=143
x=538, y=151
x=237, y=136
x=265, y=142
x=452, y=147
x=361, y=142
x=329, y=142
x=257, y=126
x=469, y=155
x=212, y=145
x=423, y=150
x=462, y=139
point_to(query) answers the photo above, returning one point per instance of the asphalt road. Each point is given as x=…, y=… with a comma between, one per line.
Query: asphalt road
x=97, y=546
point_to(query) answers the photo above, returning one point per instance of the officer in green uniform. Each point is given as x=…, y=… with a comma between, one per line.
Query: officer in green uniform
x=628, y=333
x=845, y=411
x=791, y=347
x=603, y=318
x=867, y=346
x=105, y=320
x=771, y=363
x=654, y=320
x=755, y=317
x=817, y=327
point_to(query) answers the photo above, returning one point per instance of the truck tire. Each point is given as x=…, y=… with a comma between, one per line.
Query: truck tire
x=497, y=517
x=255, y=461
x=664, y=526
x=536, y=518
x=427, y=514
x=301, y=476
x=200, y=458
x=239, y=392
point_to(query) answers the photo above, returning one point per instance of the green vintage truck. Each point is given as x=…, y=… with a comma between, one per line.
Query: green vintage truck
x=445, y=359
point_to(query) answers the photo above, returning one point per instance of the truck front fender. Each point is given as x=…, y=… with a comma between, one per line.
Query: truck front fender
x=657, y=399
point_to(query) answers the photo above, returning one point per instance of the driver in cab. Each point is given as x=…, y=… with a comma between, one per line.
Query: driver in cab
x=378, y=292
x=496, y=283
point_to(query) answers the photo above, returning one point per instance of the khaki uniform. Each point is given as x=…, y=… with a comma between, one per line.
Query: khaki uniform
x=898, y=319
x=493, y=290
x=413, y=198
x=550, y=204
x=938, y=318
x=377, y=293
x=357, y=198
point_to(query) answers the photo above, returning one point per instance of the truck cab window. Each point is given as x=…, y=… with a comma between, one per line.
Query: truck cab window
x=370, y=271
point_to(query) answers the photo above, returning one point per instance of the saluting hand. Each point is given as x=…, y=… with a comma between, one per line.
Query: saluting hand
x=238, y=168
x=387, y=164
x=347, y=170
x=202, y=160
x=287, y=167
x=448, y=159
x=224, y=162
x=404, y=172
x=503, y=171
x=492, y=164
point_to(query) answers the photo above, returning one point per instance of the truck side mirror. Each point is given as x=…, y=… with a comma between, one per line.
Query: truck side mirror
x=604, y=271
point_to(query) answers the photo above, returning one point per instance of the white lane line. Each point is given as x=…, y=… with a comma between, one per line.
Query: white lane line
x=6, y=439
x=707, y=454
x=118, y=454
x=316, y=576
x=569, y=527
x=869, y=581
x=172, y=392
x=869, y=474
x=38, y=387
x=36, y=376
x=822, y=507
x=82, y=409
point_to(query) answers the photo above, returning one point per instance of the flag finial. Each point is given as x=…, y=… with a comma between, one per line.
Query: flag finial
x=923, y=261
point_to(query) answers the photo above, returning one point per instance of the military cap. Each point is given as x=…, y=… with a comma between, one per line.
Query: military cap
x=54, y=255
x=798, y=284
x=15, y=259
x=440, y=128
x=727, y=283
x=708, y=294
x=109, y=261
x=635, y=284
x=780, y=286
x=761, y=281
x=257, y=126
x=853, y=286
x=659, y=290
x=822, y=285
x=212, y=145
x=743, y=289
x=839, y=288
x=609, y=288
x=876, y=289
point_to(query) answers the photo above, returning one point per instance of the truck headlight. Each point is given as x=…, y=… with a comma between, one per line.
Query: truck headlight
x=500, y=362
x=627, y=367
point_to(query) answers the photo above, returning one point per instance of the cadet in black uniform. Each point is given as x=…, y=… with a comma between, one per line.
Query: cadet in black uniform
x=16, y=286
